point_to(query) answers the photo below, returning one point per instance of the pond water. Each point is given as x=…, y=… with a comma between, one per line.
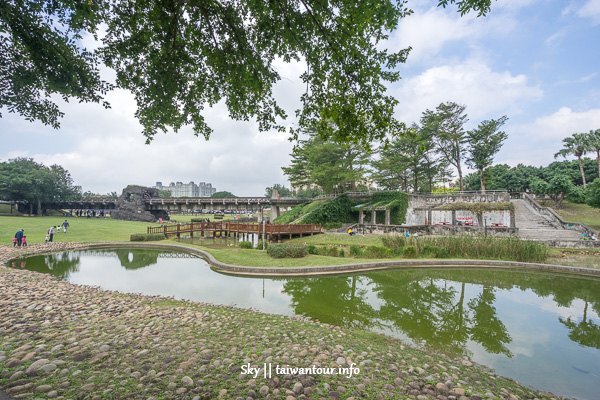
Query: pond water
x=541, y=329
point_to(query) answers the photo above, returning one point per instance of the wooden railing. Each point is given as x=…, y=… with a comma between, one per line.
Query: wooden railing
x=237, y=227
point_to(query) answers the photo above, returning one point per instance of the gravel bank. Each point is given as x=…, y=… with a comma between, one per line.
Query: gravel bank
x=64, y=341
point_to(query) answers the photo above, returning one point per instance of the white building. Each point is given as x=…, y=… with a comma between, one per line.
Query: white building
x=180, y=189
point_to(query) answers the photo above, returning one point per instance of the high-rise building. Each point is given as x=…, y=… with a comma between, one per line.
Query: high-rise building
x=180, y=189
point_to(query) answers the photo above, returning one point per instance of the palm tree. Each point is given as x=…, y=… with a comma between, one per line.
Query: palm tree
x=594, y=142
x=576, y=145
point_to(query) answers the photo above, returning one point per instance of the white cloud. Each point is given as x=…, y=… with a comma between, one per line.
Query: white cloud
x=536, y=143
x=486, y=93
x=591, y=9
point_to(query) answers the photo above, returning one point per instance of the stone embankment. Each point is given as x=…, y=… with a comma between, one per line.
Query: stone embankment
x=63, y=341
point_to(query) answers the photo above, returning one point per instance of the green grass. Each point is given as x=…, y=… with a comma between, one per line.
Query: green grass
x=259, y=258
x=80, y=230
x=573, y=212
x=340, y=240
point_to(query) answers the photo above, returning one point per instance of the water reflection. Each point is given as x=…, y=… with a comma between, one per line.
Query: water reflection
x=540, y=328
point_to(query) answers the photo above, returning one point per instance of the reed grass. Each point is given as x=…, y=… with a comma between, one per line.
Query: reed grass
x=473, y=247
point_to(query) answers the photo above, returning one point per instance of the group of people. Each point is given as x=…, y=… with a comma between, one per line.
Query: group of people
x=21, y=240
x=53, y=230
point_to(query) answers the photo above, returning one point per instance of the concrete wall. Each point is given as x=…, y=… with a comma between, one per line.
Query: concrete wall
x=418, y=201
x=437, y=230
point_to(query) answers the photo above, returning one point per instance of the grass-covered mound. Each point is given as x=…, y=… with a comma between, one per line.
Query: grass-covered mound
x=396, y=202
x=339, y=209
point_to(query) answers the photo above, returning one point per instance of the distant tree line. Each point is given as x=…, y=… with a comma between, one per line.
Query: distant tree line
x=25, y=180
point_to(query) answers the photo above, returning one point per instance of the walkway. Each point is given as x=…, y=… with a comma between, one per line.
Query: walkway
x=535, y=226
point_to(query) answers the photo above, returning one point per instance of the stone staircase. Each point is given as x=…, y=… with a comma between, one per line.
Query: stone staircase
x=535, y=226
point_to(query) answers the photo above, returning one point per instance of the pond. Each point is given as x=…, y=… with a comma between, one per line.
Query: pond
x=541, y=329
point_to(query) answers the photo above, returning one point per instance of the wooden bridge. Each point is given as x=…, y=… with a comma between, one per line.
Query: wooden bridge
x=237, y=229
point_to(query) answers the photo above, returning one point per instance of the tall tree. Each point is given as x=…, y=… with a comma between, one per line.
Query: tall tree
x=483, y=144
x=594, y=144
x=446, y=125
x=179, y=56
x=328, y=164
x=576, y=145
x=407, y=158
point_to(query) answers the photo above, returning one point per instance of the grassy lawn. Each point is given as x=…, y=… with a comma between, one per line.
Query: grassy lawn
x=573, y=212
x=340, y=240
x=259, y=258
x=80, y=230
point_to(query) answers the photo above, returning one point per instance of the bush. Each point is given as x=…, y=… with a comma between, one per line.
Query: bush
x=434, y=251
x=259, y=245
x=198, y=219
x=395, y=242
x=356, y=251
x=410, y=252
x=287, y=250
x=331, y=251
x=312, y=249
x=218, y=216
x=332, y=225
x=146, y=237
x=246, y=245
x=377, y=252
x=342, y=253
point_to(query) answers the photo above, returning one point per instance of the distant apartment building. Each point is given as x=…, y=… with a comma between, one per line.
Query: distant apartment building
x=180, y=189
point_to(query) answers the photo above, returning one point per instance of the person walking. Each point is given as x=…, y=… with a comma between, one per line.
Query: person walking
x=51, y=233
x=65, y=225
x=19, y=237
x=24, y=241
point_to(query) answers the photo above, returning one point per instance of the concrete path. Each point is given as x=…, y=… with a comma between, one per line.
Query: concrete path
x=535, y=226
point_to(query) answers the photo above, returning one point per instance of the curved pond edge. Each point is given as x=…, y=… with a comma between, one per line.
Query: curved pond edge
x=351, y=268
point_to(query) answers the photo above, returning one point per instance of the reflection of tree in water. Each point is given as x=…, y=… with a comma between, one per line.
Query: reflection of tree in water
x=487, y=329
x=60, y=265
x=432, y=306
x=136, y=258
x=433, y=310
x=334, y=300
x=585, y=332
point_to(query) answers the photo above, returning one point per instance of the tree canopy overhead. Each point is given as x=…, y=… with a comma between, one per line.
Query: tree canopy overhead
x=179, y=56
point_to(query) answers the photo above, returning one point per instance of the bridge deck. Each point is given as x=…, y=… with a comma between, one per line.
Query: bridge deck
x=236, y=228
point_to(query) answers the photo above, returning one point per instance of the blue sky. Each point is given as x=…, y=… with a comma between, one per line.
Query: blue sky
x=535, y=61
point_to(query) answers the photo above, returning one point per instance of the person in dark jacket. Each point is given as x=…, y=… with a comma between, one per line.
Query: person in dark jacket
x=19, y=237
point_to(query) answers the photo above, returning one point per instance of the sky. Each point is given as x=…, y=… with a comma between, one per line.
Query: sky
x=535, y=61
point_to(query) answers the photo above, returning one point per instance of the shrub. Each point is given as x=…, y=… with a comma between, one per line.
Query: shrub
x=312, y=249
x=434, y=251
x=410, y=252
x=395, y=242
x=198, y=219
x=259, y=245
x=332, y=225
x=218, y=216
x=342, y=253
x=246, y=245
x=377, y=252
x=146, y=237
x=331, y=251
x=287, y=250
x=356, y=251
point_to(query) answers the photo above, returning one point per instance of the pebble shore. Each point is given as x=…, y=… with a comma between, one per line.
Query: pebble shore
x=64, y=341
